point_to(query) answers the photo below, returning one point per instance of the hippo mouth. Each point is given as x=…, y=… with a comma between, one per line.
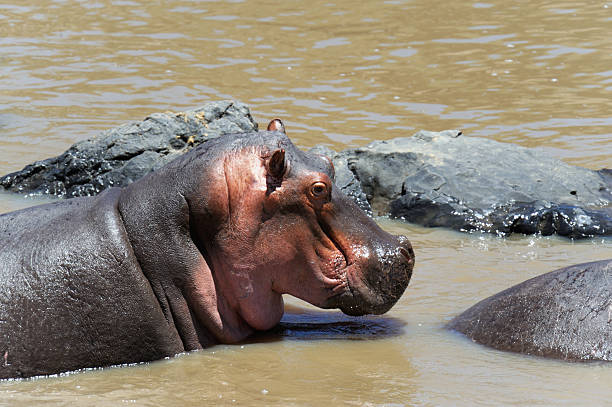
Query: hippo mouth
x=335, y=264
x=366, y=278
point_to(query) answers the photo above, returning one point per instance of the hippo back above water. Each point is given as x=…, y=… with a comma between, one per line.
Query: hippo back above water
x=196, y=253
x=564, y=314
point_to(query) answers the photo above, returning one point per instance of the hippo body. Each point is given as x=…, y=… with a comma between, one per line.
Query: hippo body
x=71, y=290
x=564, y=314
x=194, y=254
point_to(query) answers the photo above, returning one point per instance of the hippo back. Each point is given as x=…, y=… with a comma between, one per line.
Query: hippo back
x=71, y=292
x=565, y=314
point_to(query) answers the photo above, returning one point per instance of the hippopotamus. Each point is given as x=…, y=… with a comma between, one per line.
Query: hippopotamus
x=194, y=254
x=563, y=314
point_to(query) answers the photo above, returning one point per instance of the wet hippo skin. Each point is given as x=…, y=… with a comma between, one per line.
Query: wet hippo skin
x=565, y=314
x=196, y=253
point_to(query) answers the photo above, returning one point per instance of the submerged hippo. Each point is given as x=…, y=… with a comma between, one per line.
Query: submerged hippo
x=194, y=254
x=565, y=314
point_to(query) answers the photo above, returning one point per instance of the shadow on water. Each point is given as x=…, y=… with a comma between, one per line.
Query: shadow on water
x=305, y=324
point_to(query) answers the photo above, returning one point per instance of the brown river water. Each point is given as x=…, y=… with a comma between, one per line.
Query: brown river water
x=342, y=73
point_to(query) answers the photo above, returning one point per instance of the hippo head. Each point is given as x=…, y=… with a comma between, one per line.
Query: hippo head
x=270, y=221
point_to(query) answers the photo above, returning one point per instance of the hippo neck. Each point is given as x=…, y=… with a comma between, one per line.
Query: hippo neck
x=156, y=216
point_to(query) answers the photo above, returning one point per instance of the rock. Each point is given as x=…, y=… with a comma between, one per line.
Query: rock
x=470, y=183
x=123, y=154
x=432, y=179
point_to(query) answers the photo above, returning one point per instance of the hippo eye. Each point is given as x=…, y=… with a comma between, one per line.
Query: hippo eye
x=318, y=189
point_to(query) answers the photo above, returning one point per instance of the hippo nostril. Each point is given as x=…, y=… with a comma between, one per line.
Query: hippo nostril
x=406, y=254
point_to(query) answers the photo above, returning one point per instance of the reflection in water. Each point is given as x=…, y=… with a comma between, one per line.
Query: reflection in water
x=301, y=324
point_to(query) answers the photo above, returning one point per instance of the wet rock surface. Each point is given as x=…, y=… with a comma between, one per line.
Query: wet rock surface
x=446, y=179
x=123, y=154
x=435, y=179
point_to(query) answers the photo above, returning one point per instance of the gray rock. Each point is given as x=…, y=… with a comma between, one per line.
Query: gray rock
x=123, y=154
x=470, y=183
x=433, y=178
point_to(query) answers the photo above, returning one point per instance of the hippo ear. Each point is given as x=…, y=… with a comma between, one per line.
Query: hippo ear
x=276, y=125
x=276, y=167
x=276, y=164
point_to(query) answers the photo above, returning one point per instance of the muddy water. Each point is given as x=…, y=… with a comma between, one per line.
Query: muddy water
x=341, y=73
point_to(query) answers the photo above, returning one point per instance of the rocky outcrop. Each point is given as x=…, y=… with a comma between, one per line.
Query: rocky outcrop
x=473, y=184
x=123, y=154
x=435, y=179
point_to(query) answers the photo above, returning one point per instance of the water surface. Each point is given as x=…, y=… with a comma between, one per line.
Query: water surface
x=342, y=73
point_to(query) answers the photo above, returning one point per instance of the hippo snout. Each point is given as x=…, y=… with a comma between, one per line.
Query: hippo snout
x=390, y=279
x=383, y=281
x=406, y=253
